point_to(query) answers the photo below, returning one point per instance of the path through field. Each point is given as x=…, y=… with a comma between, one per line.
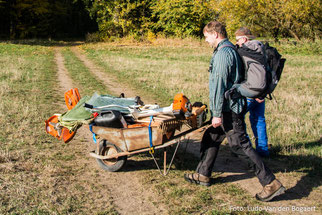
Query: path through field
x=108, y=80
x=130, y=197
x=122, y=188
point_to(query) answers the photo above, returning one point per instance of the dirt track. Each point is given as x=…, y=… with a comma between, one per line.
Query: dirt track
x=122, y=188
x=130, y=197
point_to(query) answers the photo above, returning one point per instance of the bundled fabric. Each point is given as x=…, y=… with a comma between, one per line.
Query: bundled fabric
x=76, y=116
x=80, y=115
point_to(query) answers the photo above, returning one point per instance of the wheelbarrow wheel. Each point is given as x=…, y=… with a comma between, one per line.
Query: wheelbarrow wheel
x=111, y=165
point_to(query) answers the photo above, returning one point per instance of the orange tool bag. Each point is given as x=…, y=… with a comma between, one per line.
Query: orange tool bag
x=71, y=98
x=61, y=133
x=52, y=125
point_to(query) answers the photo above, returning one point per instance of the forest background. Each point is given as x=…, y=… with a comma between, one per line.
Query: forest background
x=99, y=20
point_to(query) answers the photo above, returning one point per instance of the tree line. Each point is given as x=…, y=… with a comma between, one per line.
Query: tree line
x=149, y=18
x=20, y=19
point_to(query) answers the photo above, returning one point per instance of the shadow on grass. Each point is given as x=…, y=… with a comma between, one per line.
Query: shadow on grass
x=186, y=160
x=305, y=145
x=183, y=160
x=308, y=165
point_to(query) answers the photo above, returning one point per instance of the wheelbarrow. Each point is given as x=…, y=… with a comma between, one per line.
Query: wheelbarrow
x=116, y=144
x=118, y=138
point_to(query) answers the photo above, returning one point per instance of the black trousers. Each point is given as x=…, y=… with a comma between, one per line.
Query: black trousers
x=234, y=128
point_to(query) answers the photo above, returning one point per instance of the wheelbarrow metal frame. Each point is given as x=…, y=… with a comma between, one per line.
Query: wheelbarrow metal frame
x=118, y=139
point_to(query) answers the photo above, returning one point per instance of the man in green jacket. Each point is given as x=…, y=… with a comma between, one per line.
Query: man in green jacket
x=228, y=116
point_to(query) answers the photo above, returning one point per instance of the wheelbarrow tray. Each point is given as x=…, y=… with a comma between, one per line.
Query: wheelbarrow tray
x=136, y=140
x=129, y=139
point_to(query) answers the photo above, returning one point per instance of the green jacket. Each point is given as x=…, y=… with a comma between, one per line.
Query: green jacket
x=224, y=71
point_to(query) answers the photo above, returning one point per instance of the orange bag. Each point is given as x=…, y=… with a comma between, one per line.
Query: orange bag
x=50, y=126
x=71, y=98
x=67, y=135
x=61, y=134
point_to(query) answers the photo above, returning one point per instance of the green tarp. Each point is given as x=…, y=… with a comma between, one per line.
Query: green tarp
x=80, y=115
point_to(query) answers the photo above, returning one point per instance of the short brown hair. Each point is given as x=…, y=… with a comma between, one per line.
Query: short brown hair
x=244, y=32
x=215, y=26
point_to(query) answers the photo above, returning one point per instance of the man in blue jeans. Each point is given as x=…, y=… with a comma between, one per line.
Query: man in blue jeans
x=256, y=108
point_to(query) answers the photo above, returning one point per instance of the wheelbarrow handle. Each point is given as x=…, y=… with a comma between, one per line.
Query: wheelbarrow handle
x=199, y=110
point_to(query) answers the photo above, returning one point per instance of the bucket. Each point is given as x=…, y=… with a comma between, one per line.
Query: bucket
x=112, y=119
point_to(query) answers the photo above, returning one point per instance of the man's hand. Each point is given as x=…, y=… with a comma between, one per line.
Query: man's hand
x=216, y=121
x=259, y=100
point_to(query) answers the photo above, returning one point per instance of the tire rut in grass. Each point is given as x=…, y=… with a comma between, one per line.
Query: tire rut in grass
x=65, y=82
x=123, y=189
x=108, y=79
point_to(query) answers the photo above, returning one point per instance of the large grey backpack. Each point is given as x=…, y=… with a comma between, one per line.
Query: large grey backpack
x=263, y=69
x=275, y=66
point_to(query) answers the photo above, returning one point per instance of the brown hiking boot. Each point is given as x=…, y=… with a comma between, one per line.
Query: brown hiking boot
x=275, y=188
x=197, y=178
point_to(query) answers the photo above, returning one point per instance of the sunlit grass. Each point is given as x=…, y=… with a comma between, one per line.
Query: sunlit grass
x=86, y=81
x=39, y=175
x=164, y=71
x=293, y=119
x=36, y=170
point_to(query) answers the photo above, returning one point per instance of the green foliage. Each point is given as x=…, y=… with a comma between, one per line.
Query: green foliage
x=181, y=18
x=184, y=18
x=28, y=18
x=147, y=18
x=121, y=17
x=141, y=19
x=295, y=18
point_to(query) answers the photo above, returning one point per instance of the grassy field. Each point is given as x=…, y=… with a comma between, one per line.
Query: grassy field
x=36, y=170
x=293, y=119
x=38, y=175
x=81, y=75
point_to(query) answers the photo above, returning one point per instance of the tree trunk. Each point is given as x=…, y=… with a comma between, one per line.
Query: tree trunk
x=294, y=34
x=12, y=13
x=275, y=34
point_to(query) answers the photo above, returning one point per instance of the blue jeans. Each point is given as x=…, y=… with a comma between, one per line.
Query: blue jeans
x=258, y=124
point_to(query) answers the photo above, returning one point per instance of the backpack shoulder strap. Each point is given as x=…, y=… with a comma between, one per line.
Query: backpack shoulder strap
x=227, y=45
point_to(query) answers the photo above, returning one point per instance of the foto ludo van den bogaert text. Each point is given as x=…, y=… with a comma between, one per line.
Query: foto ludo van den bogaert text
x=273, y=209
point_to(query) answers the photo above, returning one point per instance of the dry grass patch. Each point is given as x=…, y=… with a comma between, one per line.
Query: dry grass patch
x=38, y=175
